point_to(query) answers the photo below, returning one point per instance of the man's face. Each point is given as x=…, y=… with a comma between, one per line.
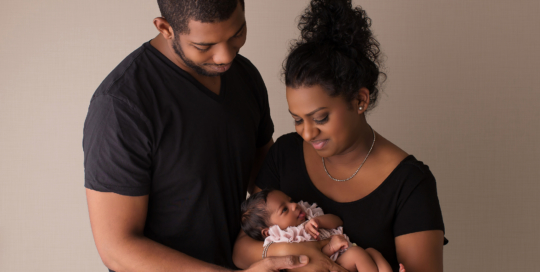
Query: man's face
x=210, y=48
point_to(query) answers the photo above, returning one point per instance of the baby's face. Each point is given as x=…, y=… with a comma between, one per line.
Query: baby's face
x=283, y=212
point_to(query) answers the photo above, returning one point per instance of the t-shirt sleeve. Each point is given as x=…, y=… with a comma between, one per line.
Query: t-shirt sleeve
x=117, y=148
x=266, y=126
x=269, y=175
x=418, y=206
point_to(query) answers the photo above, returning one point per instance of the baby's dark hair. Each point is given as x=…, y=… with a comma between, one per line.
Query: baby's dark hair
x=336, y=50
x=254, y=215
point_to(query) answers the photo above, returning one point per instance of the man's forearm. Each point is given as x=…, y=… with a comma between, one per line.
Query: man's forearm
x=142, y=254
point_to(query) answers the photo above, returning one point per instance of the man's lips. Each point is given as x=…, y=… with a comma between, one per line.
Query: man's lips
x=221, y=68
x=319, y=144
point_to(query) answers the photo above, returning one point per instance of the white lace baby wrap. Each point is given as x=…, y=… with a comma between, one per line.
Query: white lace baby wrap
x=297, y=234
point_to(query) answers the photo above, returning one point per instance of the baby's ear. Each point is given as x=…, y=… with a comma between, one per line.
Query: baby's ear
x=264, y=232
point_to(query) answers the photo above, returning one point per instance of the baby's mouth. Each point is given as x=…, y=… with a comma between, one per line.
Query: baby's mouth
x=302, y=215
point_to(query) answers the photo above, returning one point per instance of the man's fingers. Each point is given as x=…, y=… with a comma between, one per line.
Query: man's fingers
x=286, y=262
x=337, y=268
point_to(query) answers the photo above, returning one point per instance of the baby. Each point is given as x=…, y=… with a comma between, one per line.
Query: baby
x=270, y=216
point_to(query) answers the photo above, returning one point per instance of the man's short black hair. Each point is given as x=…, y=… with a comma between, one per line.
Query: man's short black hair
x=254, y=215
x=179, y=12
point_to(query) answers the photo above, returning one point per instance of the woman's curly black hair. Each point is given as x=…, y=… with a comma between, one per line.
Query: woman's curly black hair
x=336, y=50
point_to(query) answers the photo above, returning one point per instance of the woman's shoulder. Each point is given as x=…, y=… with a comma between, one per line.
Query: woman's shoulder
x=288, y=141
x=409, y=174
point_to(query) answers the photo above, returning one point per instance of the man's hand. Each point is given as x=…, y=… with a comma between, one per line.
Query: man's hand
x=274, y=264
x=312, y=227
x=318, y=261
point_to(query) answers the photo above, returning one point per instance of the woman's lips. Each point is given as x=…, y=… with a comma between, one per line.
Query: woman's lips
x=319, y=144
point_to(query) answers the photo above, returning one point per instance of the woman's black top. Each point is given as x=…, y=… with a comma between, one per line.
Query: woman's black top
x=405, y=202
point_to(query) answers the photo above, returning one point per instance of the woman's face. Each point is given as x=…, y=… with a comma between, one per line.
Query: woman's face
x=330, y=124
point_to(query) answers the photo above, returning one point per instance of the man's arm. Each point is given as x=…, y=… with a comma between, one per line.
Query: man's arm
x=118, y=223
x=259, y=159
x=248, y=251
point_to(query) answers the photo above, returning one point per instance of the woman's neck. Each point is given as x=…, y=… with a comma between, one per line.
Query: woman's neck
x=360, y=146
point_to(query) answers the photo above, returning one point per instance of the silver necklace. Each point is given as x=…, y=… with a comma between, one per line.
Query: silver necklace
x=341, y=180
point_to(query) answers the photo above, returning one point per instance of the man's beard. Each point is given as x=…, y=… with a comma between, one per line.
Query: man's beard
x=189, y=63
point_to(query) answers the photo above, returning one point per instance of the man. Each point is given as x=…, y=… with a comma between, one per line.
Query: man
x=172, y=141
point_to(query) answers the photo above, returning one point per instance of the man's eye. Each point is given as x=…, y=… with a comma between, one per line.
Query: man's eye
x=202, y=49
x=239, y=34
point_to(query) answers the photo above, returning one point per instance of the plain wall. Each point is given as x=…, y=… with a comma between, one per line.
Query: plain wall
x=462, y=95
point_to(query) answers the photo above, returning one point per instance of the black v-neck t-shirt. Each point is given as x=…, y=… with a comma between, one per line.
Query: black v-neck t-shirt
x=152, y=129
x=405, y=202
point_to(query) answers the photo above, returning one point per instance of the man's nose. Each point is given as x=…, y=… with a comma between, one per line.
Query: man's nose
x=225, y=54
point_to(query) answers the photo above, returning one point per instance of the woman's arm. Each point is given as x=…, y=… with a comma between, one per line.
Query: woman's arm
x=421, y=251
x=248, y=251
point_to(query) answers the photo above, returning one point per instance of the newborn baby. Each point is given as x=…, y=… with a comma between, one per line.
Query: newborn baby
x=270, y=216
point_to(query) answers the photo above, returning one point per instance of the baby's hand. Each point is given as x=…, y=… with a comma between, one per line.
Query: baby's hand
x=338, y=242
x=312, y=227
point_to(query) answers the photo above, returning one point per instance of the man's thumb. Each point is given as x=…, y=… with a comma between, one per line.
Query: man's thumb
x=288, y=262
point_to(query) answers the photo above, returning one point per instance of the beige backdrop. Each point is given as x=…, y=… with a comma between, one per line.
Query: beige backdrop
x=462, y=95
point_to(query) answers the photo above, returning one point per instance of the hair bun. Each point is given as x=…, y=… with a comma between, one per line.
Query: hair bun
x=337, y=24
x=336, y=50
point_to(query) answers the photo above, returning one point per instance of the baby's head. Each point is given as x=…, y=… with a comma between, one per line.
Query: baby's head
x=267, y=208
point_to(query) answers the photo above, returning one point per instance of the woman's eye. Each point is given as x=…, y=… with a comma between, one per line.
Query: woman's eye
x=298, y=122
x=322, y=121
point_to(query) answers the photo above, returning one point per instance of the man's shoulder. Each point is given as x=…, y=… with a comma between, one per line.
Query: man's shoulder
x=124, y=70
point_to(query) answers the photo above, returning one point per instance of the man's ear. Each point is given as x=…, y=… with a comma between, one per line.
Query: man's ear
x=264, y=232
x=164, y=28
x=361, y=103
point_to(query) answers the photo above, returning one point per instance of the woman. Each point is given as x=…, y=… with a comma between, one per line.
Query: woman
x=385, y=197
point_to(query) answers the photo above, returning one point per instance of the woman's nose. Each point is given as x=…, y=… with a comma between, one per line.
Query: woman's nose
x=309, y=132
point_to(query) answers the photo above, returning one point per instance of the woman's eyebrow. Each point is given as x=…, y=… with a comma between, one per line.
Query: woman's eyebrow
x=311, y=113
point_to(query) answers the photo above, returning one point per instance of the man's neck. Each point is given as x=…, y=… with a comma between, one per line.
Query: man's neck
x=163, y=46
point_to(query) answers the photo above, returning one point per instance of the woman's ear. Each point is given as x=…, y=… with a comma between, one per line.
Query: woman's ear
x=264, y=232
x=164, y=28
x=361, y=103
